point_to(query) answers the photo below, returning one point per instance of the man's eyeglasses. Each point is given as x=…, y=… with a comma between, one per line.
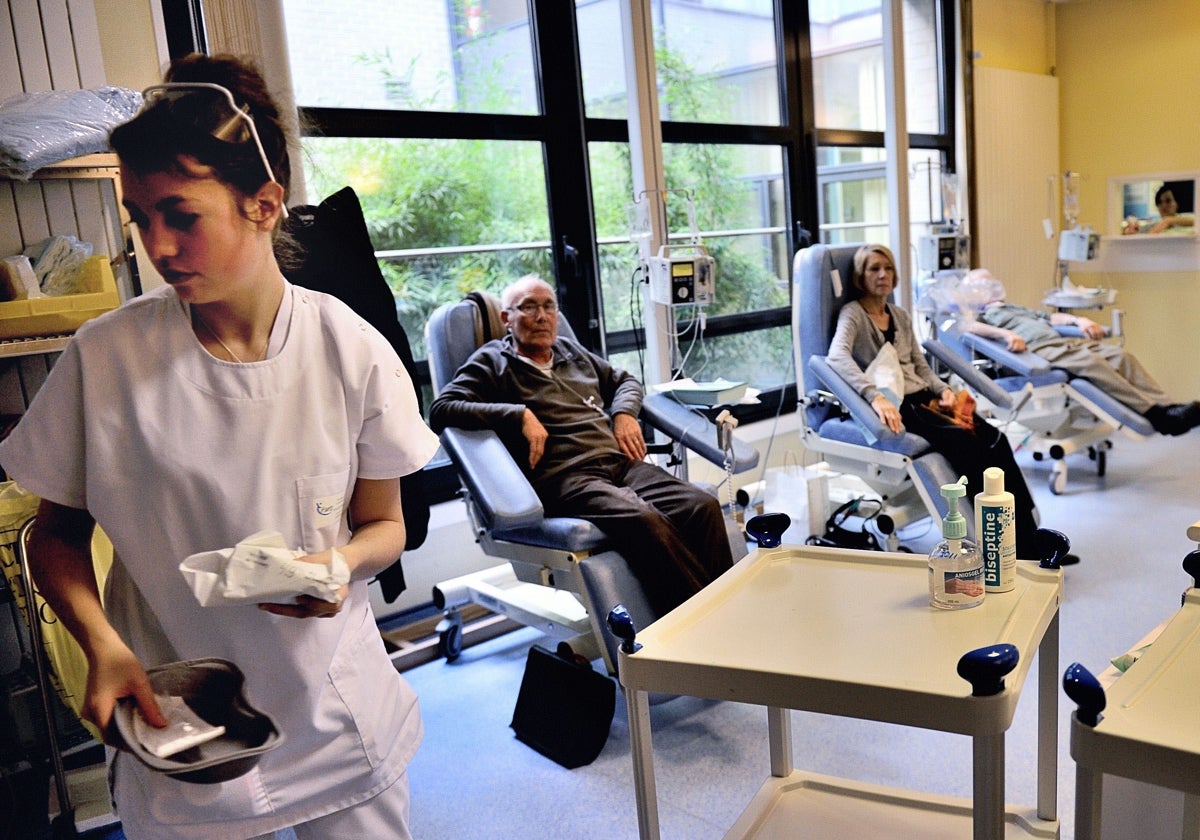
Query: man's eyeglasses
x=210, y=107
x=531, y=308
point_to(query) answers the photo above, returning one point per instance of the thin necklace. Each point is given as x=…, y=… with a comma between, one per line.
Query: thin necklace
x=225, y=346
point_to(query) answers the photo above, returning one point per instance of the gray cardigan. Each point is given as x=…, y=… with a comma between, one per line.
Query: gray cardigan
x=857, y=341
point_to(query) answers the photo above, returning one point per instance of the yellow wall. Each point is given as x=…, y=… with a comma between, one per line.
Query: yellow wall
x=1128, y=77
x=127, y=42
x=1014, y=35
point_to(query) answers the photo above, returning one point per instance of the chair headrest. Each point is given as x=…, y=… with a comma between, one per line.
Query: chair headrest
x=488, y=324
x=823, y=281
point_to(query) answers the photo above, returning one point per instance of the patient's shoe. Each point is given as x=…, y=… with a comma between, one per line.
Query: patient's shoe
x=1183, y=417
x=1191, y=415
x=1174, y=419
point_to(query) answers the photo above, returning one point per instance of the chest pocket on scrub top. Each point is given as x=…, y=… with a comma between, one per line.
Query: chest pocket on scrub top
x=322, y=500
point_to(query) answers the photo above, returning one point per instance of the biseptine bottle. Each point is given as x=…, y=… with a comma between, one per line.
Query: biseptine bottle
x=955, y=566
x=996, y=531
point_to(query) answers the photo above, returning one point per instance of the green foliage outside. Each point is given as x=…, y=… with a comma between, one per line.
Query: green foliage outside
x=440, y=194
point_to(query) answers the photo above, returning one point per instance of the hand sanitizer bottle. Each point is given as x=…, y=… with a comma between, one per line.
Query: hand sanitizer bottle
x=955, y=565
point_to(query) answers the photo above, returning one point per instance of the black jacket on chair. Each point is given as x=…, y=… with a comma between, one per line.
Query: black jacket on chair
x=336, y=257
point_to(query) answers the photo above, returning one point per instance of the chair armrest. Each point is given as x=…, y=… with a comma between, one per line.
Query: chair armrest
x=1072, y=331
x=850, y=399
x=969, y=374
x=694, y=431
x=500, y=490
x=1025, y=363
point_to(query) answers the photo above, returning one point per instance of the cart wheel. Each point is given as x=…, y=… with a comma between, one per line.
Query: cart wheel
x=1101, y=462
x=450, y=642
x=1058, y=478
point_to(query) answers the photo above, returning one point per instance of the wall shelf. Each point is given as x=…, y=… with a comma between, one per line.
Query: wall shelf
x=1143, y=252
x=33, y=346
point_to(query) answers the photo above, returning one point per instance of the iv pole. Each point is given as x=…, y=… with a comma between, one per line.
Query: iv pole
x=649, y=180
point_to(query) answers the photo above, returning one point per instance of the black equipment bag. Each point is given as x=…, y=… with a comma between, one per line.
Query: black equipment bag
x=837, y=536
x=565, y=707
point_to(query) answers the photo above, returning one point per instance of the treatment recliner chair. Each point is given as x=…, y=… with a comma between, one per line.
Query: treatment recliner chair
x=560, y=576
x=1063, y=414
x=902, y=469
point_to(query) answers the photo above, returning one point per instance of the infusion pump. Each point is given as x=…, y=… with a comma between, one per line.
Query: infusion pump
x=1079, y=244
x=678, y=279
x=943, y=251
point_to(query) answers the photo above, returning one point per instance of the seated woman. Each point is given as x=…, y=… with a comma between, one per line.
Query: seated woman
x=864, y=326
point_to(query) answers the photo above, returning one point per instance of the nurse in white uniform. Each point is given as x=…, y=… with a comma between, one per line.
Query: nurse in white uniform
x=226, y=403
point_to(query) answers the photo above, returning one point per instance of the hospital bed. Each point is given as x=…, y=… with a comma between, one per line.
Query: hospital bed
x=836, y=422
x=1055, y=414
x=559, y=574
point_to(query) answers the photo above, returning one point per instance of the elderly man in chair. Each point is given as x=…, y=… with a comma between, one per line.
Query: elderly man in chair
x=570, y=420
x=1109, y=366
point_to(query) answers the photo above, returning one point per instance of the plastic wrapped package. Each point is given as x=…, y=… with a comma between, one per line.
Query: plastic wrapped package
x=58, y=264
x=38, y=129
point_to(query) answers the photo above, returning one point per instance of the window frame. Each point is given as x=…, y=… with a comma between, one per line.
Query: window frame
x=565, y=131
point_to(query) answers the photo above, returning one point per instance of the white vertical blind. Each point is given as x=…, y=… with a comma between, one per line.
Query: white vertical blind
x=255, y=29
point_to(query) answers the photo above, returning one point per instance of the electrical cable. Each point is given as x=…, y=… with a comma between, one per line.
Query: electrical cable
x=635, y=296
x=695, y=325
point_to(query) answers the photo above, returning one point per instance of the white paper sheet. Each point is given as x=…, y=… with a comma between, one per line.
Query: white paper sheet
x=261, y=569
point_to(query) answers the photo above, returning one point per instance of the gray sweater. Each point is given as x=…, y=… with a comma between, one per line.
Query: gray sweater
x=575, y=402
x=857, y=341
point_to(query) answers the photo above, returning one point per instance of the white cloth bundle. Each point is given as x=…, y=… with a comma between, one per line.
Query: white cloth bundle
x=261, y=569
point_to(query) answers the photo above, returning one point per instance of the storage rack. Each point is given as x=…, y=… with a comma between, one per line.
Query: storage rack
x=95, y=167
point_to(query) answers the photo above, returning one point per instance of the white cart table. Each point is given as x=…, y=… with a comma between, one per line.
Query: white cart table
x=1145, y=726
x=852, y=633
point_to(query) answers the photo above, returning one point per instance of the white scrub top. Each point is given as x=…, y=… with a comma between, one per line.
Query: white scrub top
x=175, y=452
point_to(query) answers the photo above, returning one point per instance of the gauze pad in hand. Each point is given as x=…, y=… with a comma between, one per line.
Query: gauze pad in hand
x=185, y=729
x=261, y=569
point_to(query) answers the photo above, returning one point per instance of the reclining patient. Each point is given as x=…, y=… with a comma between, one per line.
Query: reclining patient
x=864, y=326
x=1108, y=366
x=570, y=420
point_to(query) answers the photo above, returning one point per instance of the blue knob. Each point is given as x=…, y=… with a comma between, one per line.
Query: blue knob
x=985, y=668
x=621, y=625
x=1086, y=691
x=1191, y=565
x=1052, y=547
x=767, y=528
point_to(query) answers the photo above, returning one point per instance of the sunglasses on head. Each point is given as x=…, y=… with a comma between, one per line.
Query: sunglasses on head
x=211, y=107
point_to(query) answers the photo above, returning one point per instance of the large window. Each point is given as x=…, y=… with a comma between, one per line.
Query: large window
x=849, y=106
x=488, y=139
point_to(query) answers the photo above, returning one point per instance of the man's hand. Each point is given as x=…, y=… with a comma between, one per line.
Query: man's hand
x=1089, y=327
x=536, y=434
x=1015, y=343
x=629, y=436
